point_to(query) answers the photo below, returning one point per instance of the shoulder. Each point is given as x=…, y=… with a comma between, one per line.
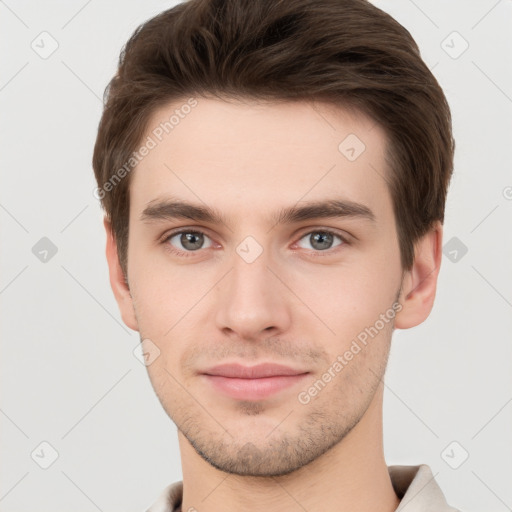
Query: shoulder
x=169, y=500
x=418, y=490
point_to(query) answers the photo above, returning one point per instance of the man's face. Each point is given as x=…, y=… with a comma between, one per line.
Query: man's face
x=255, y=288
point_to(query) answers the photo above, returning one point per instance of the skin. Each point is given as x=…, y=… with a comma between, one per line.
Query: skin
x=291, y=305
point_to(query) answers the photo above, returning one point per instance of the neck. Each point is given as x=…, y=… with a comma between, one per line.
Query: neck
x=351, y=476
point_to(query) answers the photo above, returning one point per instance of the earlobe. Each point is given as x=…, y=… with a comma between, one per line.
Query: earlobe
x=117, y=280
x=420, y=282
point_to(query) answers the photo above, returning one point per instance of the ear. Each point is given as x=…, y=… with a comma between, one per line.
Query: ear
x=420, y=282
x=117, y=280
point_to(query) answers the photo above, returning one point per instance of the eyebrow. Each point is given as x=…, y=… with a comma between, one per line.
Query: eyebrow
x=169, y=209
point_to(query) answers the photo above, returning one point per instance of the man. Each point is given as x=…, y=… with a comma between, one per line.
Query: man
x=274, y=175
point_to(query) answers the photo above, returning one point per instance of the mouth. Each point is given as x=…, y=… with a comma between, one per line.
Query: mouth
x=252, y=383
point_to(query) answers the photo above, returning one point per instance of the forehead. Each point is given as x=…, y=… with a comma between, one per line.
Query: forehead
x=246, y=156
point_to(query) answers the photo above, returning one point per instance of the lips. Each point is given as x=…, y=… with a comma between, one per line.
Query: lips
x=252, y=372
x=252, y=382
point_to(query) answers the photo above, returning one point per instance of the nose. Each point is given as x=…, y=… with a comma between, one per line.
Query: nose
x=251, y=301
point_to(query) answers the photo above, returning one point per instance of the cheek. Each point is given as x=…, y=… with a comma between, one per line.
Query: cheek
x=163, y=294
x=346, y=298
x=165, y=384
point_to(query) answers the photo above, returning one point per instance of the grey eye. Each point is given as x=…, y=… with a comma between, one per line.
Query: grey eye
x=321, y=240
x=189, y=240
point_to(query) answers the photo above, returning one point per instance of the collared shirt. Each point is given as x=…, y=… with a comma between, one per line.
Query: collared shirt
x=415, y=486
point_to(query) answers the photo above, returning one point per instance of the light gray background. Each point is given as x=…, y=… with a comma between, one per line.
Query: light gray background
x=68, y=373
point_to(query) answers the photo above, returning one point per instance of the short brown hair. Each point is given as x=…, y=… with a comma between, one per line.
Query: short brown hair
x=347, y=52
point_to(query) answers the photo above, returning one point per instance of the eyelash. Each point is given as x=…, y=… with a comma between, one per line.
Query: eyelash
x=187, y=254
